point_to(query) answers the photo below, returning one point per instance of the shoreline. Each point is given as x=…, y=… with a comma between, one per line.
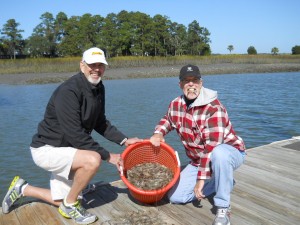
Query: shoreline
x=151, y=72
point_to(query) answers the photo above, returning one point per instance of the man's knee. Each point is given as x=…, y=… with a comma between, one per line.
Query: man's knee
x=220, y=154
x=180, y=198
x=174, y=200
x=94, y=160
x=89, y=160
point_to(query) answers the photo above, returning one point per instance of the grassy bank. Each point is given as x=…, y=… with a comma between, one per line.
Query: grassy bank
x=65, y=65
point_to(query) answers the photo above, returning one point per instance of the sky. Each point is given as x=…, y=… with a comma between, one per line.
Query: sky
x=263, y=24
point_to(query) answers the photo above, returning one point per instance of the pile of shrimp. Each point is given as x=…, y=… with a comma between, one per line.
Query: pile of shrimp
x=150, y=176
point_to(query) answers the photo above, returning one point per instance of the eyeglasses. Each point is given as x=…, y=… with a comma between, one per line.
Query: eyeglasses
x=194, y=80
x=95, y=65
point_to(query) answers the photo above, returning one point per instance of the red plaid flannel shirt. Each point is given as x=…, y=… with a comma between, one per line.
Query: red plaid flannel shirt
x=201, y=128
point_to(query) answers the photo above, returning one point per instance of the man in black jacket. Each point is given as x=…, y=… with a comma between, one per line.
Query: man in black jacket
x=63, y=144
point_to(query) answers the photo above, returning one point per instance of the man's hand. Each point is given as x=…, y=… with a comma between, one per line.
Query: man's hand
x=198, y=189
x=116, y=160
x=156, y=139
x=131, y=141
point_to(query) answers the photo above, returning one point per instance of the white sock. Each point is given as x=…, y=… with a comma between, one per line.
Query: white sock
x=23, y=188
x=68, y=204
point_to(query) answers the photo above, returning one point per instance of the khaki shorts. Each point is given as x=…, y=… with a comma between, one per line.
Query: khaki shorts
x=58, y=161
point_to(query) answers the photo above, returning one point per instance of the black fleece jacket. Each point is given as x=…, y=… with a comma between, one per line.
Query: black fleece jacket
x=75, y=109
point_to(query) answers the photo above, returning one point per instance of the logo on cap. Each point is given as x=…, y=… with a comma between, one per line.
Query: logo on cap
x=189, y=69
x=96, y=53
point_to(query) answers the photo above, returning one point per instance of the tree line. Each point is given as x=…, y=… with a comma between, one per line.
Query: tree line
x=122, y=34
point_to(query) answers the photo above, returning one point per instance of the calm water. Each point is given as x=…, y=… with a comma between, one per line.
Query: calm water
x=263, y=108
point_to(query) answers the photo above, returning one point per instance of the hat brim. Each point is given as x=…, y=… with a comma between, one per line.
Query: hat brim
x=96, y=61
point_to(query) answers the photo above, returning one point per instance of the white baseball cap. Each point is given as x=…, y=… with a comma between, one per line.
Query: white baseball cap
x=94, y=55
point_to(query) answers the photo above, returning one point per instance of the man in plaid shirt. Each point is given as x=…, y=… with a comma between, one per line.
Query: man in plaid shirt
x=206, y=132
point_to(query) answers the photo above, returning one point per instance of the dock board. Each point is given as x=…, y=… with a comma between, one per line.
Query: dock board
x=267, y=192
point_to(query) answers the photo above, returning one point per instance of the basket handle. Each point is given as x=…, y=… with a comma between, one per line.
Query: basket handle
x=178, y=160
x=121, y=173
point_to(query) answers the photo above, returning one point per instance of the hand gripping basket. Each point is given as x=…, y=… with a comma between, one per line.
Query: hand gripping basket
x=145, y=152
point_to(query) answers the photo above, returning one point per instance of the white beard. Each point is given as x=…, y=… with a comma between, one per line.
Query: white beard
x=94, y=82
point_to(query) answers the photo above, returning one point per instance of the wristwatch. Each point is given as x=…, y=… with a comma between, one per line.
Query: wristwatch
x=123, y=142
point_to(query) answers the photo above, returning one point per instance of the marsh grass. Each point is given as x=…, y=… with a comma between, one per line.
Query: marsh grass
x=38, y=65
x=71, y=64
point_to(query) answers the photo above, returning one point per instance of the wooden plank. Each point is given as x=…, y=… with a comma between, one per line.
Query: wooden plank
x=121, y=203
x=10, y=218
x=48, y=214
x=275, y=155
x=188, y=214
x=242, y=214
x=25, y=214
x=182, y=214
x=277, y=184
x=268, y=199
x=266, y=206
x=266, y=195
x=98, y=206
x=257, y=213
x=275, y=168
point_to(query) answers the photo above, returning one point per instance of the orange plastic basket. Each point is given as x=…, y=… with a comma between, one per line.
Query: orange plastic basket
x=145, y=152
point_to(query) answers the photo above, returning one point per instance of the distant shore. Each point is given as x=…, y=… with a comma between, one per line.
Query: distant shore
x=151, y=72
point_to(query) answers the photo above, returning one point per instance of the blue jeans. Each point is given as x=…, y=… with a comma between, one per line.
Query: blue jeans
x=224, y=160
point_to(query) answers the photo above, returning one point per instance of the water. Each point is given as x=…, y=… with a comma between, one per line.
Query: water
x=262, y=107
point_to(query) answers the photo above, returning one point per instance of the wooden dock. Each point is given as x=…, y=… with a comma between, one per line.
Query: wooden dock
x=267, y=192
